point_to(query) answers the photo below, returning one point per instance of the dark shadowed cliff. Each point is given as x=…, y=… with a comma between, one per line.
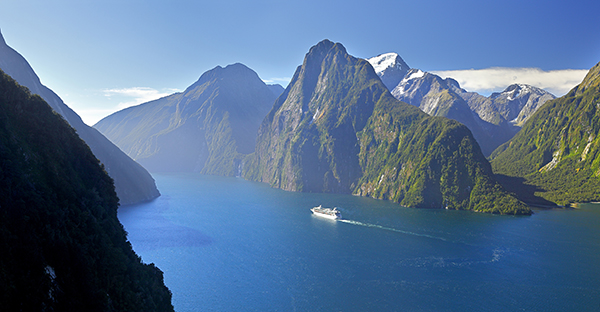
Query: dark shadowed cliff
x=133, y=183
x=62, y=246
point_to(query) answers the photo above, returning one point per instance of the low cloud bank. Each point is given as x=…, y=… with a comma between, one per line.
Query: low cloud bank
x=496, y=79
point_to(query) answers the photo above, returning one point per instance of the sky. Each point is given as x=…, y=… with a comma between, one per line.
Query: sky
x=103, y=56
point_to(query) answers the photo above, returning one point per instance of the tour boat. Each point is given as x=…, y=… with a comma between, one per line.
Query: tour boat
x=328, y=213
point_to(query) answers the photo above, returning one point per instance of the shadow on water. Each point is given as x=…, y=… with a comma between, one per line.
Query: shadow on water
x=524, y=191
x=150, y=230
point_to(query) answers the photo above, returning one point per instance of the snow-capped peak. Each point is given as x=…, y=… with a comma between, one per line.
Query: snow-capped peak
x=387, y=60
x=390, y=67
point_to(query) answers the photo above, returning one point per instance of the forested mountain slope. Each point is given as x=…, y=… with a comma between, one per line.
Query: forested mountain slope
x=337, y=128
x=558, y=148
x=62, y=247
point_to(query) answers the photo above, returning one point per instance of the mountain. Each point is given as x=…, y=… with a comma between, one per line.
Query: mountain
x=337, y=128
x=557, y=150
x=208, y=128
x=390, y=67
x=513, y=105
x=437, y=97
x=63, y=248
x=277, y=89
x=133, y=183
x=445, y=98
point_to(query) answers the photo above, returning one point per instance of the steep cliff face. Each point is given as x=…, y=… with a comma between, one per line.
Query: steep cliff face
x=208, y=128
x=308, y=141
x=337, y=128
x=63, y=248
x=558, y=148
x=133, y=183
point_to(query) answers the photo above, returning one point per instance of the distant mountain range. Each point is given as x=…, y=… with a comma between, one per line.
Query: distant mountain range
x=208, y=128
x=336, y=128
x=557, y=153
x=133, y=183
x=322, y=134
x=493, y=120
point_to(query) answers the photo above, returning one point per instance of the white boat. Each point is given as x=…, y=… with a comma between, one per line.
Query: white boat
x=328, y=213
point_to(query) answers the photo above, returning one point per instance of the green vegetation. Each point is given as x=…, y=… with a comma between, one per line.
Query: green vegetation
x=62, y=246
x=558, y=148
x=338, y=129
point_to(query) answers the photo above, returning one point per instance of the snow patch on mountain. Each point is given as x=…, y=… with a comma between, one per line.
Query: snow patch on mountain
x=384, y=61
x=414, y=75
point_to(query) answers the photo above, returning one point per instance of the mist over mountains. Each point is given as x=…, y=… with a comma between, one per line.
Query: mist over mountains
x=208, y=128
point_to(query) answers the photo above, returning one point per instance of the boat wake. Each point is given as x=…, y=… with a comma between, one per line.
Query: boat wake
x=390, y=229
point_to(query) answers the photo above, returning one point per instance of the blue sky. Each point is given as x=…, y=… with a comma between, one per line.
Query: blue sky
x=101, y=56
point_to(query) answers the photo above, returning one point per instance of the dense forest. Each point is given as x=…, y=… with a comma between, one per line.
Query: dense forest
x=62, y=246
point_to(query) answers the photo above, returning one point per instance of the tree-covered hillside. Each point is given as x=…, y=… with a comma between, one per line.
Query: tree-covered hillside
x=558, y=149
x=62, y=247
x=336, y=128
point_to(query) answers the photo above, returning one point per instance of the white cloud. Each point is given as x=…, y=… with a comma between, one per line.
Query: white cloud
x=137, y=95
x=284, y=81
x=488, y=80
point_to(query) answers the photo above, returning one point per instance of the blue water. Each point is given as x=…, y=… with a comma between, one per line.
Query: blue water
x=226, y=244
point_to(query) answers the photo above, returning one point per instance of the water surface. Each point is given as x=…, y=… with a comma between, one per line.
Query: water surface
x=226, y=244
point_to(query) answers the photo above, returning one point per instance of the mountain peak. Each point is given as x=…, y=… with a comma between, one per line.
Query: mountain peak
x=390, y=67
x=2, y=42
x=387, y=61
x=237, y=72
x=323, y=48
x=326, y=45
x=516, y=90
